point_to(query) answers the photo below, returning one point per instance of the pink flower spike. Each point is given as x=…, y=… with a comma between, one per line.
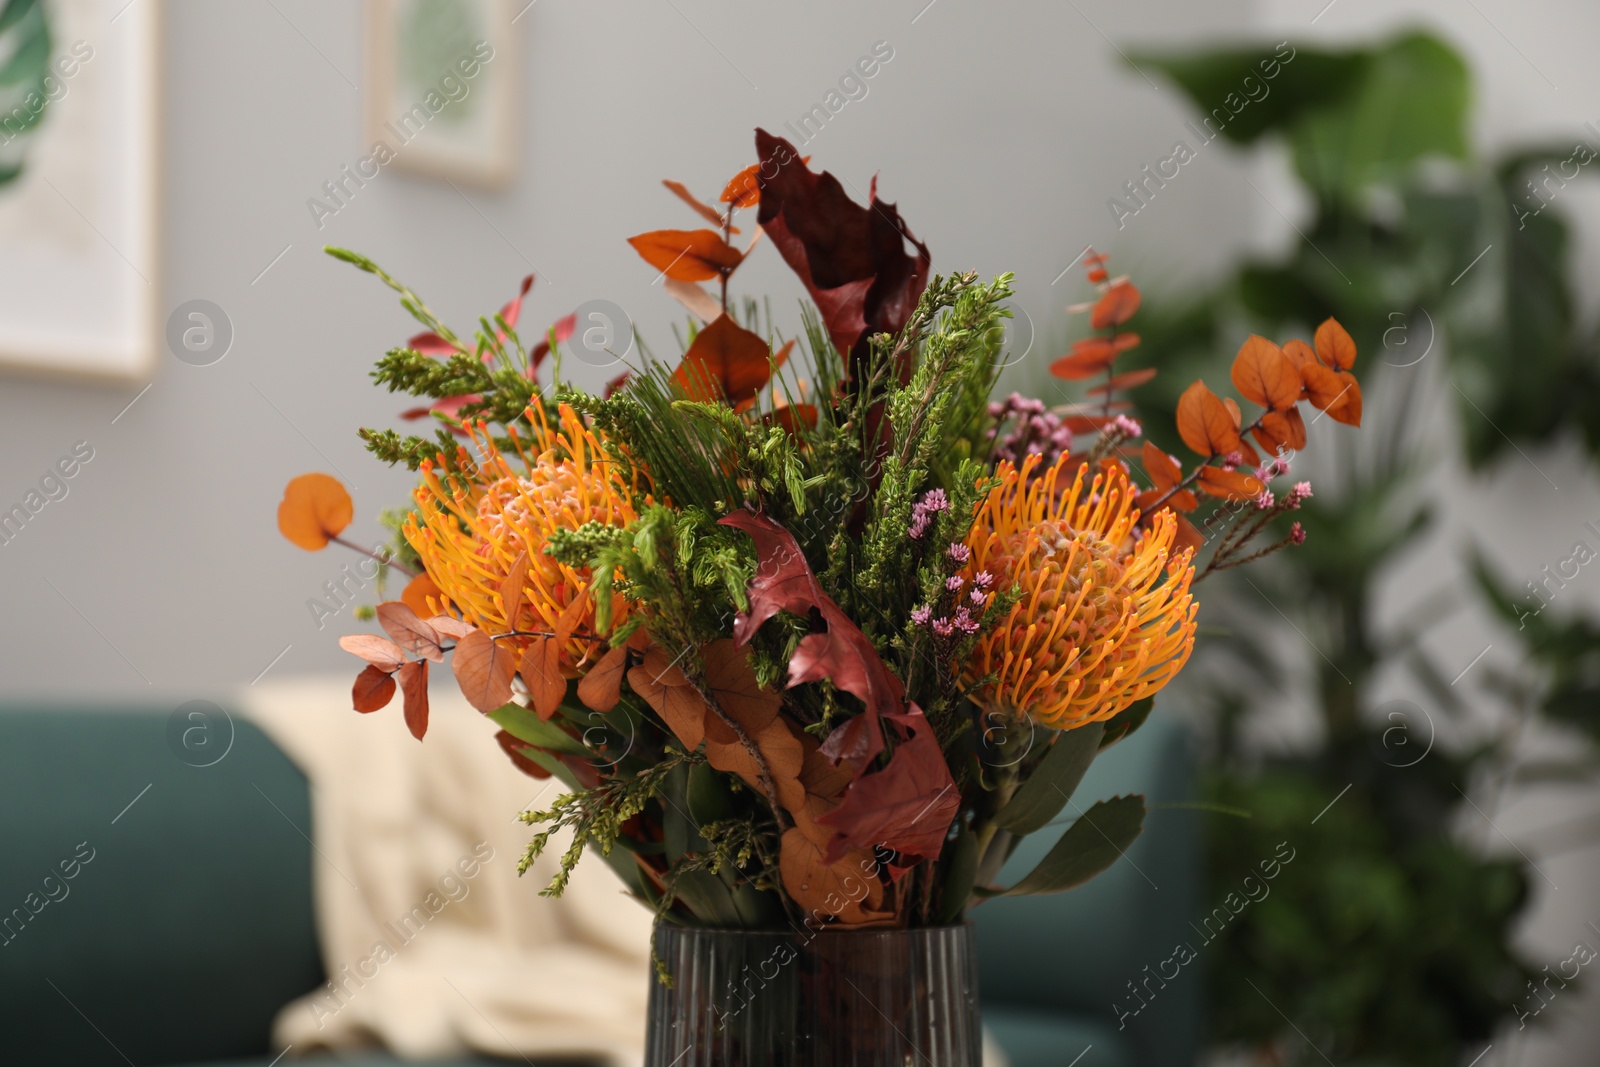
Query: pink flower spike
x=1265, y=500
x=979, y=597
x=983, y=579
x=920, y=616
x=1127, y=427
x=958, y=552
x=1232, y=460
x=954, y=583
x=942, y=627
x=1302, y=490
x=1297, y=534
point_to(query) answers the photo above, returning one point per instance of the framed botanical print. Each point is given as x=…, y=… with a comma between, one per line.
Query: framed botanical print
x=441, y=89
x=78, y=203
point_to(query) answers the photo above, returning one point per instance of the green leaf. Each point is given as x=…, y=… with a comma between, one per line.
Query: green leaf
x=960, y=870
x=1126, y=721
x=1411, y=103
x=1241, y=110
x=709, y=798
x=1090, y=845
x=524, y=725
x=1047, y=790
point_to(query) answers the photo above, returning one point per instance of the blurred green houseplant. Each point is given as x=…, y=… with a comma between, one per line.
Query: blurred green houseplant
x=1389, y=941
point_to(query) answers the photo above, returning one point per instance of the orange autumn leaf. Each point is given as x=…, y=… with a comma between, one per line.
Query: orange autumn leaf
x=1334, y=345
x=742, y=189
x=793, y=416
x=705, y=211
x=1115, y=307
x=686, y=255
x=374, y=688
x=414, y=685
x=315, y=508
x=1299, y=353
x=1206, y=425
x=1233, y=411
x=726, y=362
x=1280, y=430
x=1229, y=485
x=1335, y=392
x=601, y=688
x=1092, y=355
x=484, y=669
x=416, y=593
x=781, y=750
x=667, y=690
x=1164, y=473
x=848, y=889
x=731, y=682
x=541, y=673
x=1126, y=380
x=1264, y=375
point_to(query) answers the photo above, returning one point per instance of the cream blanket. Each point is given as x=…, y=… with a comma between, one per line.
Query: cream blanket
x=433, y=945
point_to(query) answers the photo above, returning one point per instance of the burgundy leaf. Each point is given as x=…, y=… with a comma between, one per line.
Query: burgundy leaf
x=512, y=746
x=563, y=329
x=852, y=259
x=513, y=309
x=907, y=806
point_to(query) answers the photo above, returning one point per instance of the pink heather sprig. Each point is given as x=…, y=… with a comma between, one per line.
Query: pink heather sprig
x=922, y=512
x=1034, y=430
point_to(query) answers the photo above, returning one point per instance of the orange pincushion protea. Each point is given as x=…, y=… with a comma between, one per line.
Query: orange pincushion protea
x=472, y=533
x=1102, y=619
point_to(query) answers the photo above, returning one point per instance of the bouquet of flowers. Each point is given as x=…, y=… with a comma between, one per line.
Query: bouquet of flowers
x=814, y=633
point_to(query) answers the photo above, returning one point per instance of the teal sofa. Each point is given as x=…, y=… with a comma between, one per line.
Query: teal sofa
x=157, y=911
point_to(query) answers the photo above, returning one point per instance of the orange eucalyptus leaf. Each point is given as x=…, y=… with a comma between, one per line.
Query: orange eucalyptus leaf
x=1335, y=347
x=1230, y=485
x=1115, y=307
x=541, y=673
x=374, y=688
x=710, y=214
x=315, y=508
x=686, y=255
x=1264, y=375
x=414, y=685
x=484, y=669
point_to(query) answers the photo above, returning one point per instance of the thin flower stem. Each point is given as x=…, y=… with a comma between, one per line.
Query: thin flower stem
x=408, y=572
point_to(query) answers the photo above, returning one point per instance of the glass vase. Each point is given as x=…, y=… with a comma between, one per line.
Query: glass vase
x=858, y=998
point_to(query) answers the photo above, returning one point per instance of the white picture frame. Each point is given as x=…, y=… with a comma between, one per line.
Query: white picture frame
x=441, y=89
x=79, y=223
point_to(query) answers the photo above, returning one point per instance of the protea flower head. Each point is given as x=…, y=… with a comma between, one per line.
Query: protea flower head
x=1103, y=616
x=472, y=530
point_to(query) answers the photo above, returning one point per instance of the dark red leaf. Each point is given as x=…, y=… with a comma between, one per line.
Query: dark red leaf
x=851, y=259
x=512, y=746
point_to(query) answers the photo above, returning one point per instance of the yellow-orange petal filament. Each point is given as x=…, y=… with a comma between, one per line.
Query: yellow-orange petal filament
x=1102, y=617
x=470, y=530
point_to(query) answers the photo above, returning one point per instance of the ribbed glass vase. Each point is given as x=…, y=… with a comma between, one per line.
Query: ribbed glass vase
x=866, y=998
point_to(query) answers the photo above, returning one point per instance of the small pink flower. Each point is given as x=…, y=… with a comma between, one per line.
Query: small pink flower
x=1127, y=427
x=1233, y=460
x=1280, y=467
x=1302, y=490
x=983, y=579
x=954, y=583
x=979, y=597
x=958, y=552
x=920, y=616
x=1297, y=534
x=1265, y=500
x=943, y=627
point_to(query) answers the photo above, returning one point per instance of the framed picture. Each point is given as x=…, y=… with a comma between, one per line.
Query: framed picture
x=441, y=88
x=78, y=203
